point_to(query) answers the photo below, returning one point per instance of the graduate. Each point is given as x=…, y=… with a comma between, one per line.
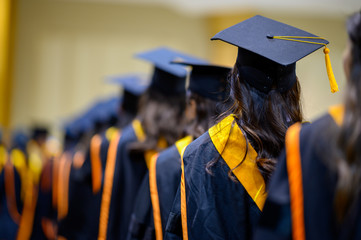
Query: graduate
x=12, y=190
x=133, y=86
x=79, y=215
x=38, y=215
x=158, y=124
x=315, y=190
x=71, y=194
x=27, y=188
x=206, y=95
x=104, y=114
x=225, y=172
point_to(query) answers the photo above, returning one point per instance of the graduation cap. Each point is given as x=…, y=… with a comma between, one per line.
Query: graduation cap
x=268, y=51
x=168, y=78
x=133, y=82
x=39, y=132
x=207, y=80
x=19, y=140
x=75, y=128
x=101, y=113
x=134, y=85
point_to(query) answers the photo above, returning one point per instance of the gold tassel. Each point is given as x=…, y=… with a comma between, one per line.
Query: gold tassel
x=331, y=77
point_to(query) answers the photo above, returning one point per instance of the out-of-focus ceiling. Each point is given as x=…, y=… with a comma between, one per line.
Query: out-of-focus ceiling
x=337, y=8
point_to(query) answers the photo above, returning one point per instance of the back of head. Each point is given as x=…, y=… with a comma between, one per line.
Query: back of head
x=127, y=109
x=263, y=82
x=346, y=156
x=264, y=118
x=133, y=85
x=206, y=95
x=206, y=114
x=161, y=107
x=39, y=134
x=161, y=116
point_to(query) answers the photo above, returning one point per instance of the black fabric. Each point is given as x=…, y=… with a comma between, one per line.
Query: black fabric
x=217, y=207
x=162, y=57
x=80, y=190
x=8, y=228
x=173, y=229
x=44, y=209
x=168, y=170
x=136, y=229
x=141, y=226
x=264, y=74
x=275, y=222
x=207, y=80
x=130, y=102
x=82, y=220
x=168, y=179
x=128, y=176
x=318, y=187
x=168, y=83
x=168, y=78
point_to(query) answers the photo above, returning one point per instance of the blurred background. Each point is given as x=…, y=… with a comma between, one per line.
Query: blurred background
x=55, y=54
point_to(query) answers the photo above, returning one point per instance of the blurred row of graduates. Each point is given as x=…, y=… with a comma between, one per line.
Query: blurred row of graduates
x=51, y=194
x=188, y=154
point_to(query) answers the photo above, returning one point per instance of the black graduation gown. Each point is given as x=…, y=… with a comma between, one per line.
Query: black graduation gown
x=84, y=194
x=141, y=223
x=9, y=225
x=318, y=185
x=216, y=206
x=45, y=213
x=31, y=211
x=129, y=172
x=165, y=169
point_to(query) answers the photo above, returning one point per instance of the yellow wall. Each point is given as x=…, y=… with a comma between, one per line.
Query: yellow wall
x=221, y=52
x=65, y=49
x=6, y=47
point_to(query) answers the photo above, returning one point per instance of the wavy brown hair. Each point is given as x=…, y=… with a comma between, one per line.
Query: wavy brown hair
x=348, y=149
x=207, y=112
x=264, y=119
x=161, y=116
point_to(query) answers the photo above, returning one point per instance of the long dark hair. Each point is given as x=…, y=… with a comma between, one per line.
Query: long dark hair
x=348, y=164
x=207, y=112
x=161, y=116
x=263, y=118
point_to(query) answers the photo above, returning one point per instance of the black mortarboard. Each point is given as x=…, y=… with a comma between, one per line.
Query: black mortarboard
x=19, y=140
x=268, y=50
x=168, y=78
x=75, y=129
x=39, y=132
x=134, y=86
x=101, y=113
x=207, y=80
x=133, y=83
